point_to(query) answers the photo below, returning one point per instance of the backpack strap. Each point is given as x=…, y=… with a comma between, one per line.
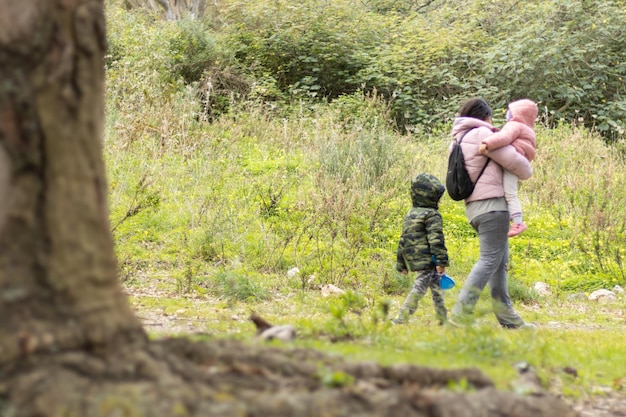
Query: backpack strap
x=463, y=135
x=486, y=163
x=482, y=170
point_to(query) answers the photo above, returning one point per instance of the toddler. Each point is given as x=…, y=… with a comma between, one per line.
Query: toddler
x=421, y=248
x=517, y=131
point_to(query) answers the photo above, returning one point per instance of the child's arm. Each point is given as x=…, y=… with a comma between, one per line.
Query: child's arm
x=400, y=262
x=510, y=131
x=436, y=241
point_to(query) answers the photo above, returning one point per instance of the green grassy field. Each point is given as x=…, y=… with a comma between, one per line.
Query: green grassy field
x=207, y=231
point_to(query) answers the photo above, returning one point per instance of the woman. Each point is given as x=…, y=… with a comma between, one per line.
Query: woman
x=488, y=214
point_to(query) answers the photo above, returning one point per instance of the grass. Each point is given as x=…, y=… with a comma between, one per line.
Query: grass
x=580, y=335
x=220, y=226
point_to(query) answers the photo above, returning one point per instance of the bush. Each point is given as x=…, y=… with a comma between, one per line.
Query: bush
x=192, y=51
x=422, y=60
x=568, y=56
x=238, y=286
x=311, y=51
x=324, y=186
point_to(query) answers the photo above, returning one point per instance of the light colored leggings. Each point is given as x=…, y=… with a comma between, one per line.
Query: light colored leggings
x=509, y=183
x=490, y=269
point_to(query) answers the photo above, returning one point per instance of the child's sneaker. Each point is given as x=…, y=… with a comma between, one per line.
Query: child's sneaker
x=516, y=229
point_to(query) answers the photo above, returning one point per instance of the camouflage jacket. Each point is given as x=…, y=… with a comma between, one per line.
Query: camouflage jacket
x=422, y=228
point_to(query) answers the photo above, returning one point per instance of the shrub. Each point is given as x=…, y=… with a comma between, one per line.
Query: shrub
x=192, y=51
x=568, y=56
x=238, y=285
x=310, y=50
x=324, y=186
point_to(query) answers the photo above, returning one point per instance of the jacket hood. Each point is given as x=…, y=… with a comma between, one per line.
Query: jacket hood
x=462, y=124
x=524, y=111
x=426, y=191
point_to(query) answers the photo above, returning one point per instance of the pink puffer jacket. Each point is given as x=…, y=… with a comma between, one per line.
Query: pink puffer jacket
x=518, y=131
x=490, y=183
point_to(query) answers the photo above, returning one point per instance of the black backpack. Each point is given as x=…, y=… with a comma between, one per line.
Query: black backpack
x=458, y=182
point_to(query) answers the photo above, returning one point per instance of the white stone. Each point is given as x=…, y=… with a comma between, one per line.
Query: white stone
x=285, y=333
x=603, y=293
x=293, y=272
x=542, y=288
x=618, y=289
x=330, y=289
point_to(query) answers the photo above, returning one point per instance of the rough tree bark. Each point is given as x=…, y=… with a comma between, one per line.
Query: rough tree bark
x=57, y=266
x=69, y=342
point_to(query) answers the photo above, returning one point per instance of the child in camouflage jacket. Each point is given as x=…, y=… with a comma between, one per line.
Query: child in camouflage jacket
x=421, y=248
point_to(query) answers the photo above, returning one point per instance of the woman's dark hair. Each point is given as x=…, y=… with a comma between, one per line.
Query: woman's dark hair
x=476, y=108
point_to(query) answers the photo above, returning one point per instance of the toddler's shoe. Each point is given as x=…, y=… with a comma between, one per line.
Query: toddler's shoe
x=461, y=322
x=524, y=326
x=516, y=229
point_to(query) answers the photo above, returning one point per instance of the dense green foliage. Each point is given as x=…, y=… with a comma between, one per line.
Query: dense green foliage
x=570, y=56
x=323, y=186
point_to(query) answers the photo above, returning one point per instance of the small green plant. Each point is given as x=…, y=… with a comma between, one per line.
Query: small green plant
x=460, y=385
x=237, y=285
x=334, y=379
x=395, y=283
x=144, y=197
x=521, y=292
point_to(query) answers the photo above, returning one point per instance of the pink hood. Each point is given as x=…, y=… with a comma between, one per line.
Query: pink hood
x=518, y=131
x=524, y=111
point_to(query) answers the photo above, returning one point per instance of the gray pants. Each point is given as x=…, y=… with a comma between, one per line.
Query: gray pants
x=490, y=270
x=425, y=279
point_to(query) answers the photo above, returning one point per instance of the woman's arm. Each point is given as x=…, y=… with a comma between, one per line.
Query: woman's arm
x=511, y=160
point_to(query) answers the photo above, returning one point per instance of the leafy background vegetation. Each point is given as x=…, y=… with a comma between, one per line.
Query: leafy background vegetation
x=272, y=135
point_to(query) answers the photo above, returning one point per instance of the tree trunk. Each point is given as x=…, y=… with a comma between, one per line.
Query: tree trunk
x=69, y=342
x=58, y=286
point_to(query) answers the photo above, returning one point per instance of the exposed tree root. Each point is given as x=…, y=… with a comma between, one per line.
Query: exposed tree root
x=179, y=377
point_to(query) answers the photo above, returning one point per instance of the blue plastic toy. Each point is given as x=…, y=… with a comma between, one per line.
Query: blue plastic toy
x=445, y=281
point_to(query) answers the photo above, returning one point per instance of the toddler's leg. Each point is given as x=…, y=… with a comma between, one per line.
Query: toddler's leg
x=438, y=301
x=420, y=286
x=510, y=194
x=515, y=208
